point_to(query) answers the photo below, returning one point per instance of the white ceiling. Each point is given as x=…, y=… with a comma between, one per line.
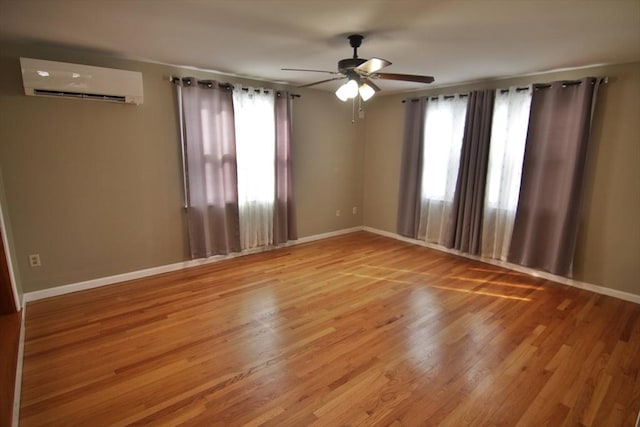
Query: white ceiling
x=455, y=41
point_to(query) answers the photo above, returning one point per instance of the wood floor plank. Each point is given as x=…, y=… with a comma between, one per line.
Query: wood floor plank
x=353, y=330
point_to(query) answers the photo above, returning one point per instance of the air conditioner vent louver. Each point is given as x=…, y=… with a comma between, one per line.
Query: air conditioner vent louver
x=60, y=79
x=110, y=98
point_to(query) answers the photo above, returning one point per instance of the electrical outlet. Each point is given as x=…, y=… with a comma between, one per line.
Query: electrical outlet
x=354, y=210
x=34, y=260
x=338, y=212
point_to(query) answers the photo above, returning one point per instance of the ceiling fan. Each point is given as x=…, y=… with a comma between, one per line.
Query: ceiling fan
x=359, y=72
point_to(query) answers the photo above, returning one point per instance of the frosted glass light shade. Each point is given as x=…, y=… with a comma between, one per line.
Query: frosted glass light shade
x=366, y=92
x=348, y=90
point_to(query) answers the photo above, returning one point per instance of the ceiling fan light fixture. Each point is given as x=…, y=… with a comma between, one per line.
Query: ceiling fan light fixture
x=358, y=71
x=366, y=92
x=348, y=90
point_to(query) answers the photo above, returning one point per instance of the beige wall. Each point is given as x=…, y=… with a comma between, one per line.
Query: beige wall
x=328, y=166
x=96, y=188
x=608, y=251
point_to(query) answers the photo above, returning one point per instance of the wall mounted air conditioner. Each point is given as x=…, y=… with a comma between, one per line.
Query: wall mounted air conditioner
x=61, y=79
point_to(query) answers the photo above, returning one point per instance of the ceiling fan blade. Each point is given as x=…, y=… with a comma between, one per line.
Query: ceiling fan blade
x=372, y=65
x=402, y=77
x=313, y=71
x=373, y=86
x=324, y=81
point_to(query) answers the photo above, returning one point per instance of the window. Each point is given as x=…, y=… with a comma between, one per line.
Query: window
x=444, y=129
x=443, y=132
x=237, y=195
x=255, y=152
x=508, y=134
x=506, y=153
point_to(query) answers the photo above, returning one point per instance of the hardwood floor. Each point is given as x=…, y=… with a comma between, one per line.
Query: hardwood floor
x=9, y=341
x=354, y=330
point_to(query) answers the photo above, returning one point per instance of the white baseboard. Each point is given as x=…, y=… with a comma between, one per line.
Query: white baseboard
x=327, y=235
x=118, y=278
x=102, y=281
x=17, y=389
x=515, y=267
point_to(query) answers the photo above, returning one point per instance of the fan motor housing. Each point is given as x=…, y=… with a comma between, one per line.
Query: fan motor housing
x=349, y=64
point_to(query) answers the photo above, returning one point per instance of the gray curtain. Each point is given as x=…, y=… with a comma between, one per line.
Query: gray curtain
x=464, y=230
x=284, y=217
x=410, y=194
x=210, y=169
x=548, y=214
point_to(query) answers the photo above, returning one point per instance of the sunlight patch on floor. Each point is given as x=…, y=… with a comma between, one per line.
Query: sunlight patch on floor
x=468, y=291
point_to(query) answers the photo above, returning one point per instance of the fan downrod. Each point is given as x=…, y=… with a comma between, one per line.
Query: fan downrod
x=355, y=40
x=345, y=66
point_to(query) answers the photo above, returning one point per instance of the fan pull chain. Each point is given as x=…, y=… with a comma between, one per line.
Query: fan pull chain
x=353, y=110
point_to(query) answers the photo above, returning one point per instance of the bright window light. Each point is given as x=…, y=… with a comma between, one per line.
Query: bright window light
x=508, y=135
x=444, y=128
x=255, y=145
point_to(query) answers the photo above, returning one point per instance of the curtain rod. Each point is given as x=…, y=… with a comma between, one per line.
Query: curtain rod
x=460, y=95
x=518, y=89
x=228, y=86
x=602, y=80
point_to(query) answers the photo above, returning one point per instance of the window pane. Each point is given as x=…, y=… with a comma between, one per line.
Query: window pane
x=255, y=145
x=508, y=135
x=506, y=153
x=255, y=151
x=444, y=129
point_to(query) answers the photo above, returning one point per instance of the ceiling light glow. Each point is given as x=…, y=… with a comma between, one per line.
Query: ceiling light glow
x=348, y=90
x=366, y=92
